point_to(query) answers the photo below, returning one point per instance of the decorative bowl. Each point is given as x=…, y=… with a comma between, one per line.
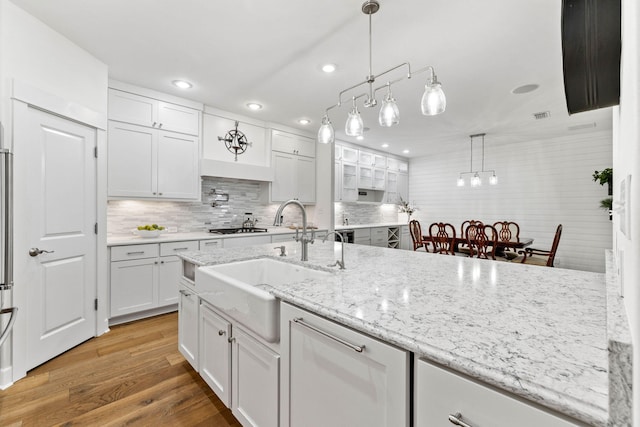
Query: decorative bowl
x=148, y=233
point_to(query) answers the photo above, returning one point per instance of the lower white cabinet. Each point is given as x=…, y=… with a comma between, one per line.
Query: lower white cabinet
x=255, y=381
x=440, y=394
x=239, y=242
x=243, y=372
x=144, y=277
x=188, y=325
x=362, y=236
x=335, y=376
x=406, y=242
x=215, y=352
x=379, y=236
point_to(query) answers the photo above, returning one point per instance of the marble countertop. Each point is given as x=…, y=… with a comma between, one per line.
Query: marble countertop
x=537, y=332
x=132, y=239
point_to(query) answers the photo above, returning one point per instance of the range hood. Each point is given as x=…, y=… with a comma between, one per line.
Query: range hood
x=217, y=168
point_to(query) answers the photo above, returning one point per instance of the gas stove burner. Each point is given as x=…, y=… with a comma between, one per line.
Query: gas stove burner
x=237, y=230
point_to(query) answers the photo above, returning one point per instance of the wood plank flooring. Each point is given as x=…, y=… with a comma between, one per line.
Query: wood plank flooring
x=132, y=375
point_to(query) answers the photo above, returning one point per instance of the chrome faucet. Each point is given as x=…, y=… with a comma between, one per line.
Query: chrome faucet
x=304, y=239
x=341, y=262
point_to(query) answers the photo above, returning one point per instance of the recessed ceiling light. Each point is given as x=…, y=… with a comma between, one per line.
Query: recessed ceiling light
x=329, y=68
x=525, y=89
x=304, y=121
x=405, y=151
x=385, y=145
x=254, y=106
x=182, y=84
x=360, y=138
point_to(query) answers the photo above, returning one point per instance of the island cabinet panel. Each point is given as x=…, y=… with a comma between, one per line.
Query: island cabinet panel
x=188, y=312
x=440, y=394
x=255, y=375
x=333, y=375
x=215, y=353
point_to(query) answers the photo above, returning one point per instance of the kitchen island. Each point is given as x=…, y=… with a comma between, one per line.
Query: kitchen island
x=535, y=332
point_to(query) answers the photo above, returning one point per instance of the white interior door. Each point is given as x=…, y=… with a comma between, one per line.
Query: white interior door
x=54, y=161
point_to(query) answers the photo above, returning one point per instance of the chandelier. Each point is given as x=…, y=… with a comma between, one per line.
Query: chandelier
x=476, y=179
x=433, y=100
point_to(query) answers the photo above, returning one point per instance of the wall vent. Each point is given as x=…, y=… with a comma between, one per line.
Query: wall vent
x=542, y=115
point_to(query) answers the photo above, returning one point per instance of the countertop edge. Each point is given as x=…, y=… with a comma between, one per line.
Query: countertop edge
x=620, y=348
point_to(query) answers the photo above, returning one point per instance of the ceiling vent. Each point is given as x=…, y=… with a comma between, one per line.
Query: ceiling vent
x=542, y=115
x=582, y=126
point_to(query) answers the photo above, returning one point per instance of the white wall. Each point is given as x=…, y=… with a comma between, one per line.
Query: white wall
x=626, y=161
x=541, y=184
x=35, y=55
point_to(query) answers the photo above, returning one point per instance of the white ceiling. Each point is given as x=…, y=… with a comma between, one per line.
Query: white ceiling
x=270, y=52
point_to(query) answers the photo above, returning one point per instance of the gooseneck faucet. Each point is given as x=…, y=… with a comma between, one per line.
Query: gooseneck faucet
x=341, y=262
x=304, y=239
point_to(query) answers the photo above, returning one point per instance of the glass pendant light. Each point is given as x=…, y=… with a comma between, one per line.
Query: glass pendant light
x=354, y=125
x=326, y=135
x=433, y=100
x=460, y=181
x=476, y=181
x=493, y=179
x=389, y=112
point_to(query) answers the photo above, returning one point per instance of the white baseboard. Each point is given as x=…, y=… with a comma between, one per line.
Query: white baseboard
x=6, y=377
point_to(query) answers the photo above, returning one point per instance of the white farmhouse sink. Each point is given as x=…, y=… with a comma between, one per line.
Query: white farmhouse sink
x=233, y=289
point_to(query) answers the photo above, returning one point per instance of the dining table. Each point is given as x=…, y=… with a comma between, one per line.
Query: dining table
x=520, y=243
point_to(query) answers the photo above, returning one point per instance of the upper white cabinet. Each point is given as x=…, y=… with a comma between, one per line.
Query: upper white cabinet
x=294, y=165
x=150, y=163
x=153, y=148
x=144, y=111
x=397, y=186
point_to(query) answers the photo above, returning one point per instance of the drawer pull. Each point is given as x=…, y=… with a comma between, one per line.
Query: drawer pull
x=210, y=243
x=186, y=294
x=357, y=348
x=457, y=420
x=136, y=253
x=221, y=332
x=180, y=249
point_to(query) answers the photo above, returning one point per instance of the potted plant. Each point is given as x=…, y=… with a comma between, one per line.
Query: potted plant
x=603, y=177
x=407, y=208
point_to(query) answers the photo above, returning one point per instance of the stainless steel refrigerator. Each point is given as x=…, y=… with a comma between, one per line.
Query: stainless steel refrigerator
x=6, y=240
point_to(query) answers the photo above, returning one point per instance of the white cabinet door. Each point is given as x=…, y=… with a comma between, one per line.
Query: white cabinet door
x=255, y=375
x=306, y=179
x=178, y=174
x=293, y=144
x=349, y=154
x=403, y=186
x=391, y=193
x=379, y=179
x=209, y=245
x=177, y=118
x=335, y=376
x=132, y=161
x=169, y=273
x=188, y=326
x=131, y=108
x=406, y=242
x=284, y=186
x=337, y=181
x=379, y=236
x=215, y=353
x=365, y=176
x=133, y=286
x=349, y=182
x=439, y=393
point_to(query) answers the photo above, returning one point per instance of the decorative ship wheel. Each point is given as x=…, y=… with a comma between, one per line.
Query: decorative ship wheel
x=235, y=141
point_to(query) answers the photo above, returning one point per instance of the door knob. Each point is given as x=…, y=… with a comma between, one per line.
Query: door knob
x=36, y=251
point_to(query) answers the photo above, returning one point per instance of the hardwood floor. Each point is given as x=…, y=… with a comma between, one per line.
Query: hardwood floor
x=132, y=375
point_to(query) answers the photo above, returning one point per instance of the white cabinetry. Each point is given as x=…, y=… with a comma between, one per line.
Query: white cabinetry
x=440, y=393
x=406, y=242
x=210, y=245
x=243, y=372
x=239, y=242
x=362, y=236
x=294, y=164
x=333, y=375
x=188, y=326
x=153, y=148
x=137, y=109
x=215, y=352
x=397, y=186
x=379, y=236
x=347, y=175
x=144, y=277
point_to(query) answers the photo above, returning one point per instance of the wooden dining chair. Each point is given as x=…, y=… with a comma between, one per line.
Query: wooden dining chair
x=539, y=256
x=508, y=231
x=464, y=247
x=416, y=235
x=482, y=241
x=442, y=237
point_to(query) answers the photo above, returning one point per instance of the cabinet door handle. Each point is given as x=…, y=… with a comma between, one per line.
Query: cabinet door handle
x=231, y=339
x=301, y=322
x=457, y=420
x=221, y=332
x=186, y=294
x=154, y=124
x=135, y=253
x=180, y=249
x=160, y=125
